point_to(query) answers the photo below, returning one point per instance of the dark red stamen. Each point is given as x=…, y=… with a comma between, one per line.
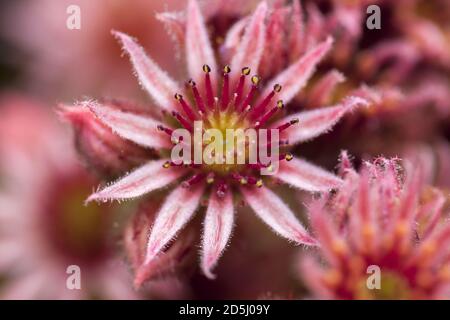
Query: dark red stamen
x=183, y=121
x=193, y=180
x=165, y=130
x=255, y=181
x=198, y=99
x=240, y=87
x=269, y=114
x=186, y=108
x=286, y=125
x=208, y=86
x=260, y=108
x=254, y=88
x=226, y=87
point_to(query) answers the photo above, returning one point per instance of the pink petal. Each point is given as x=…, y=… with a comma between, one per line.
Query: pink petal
x=297, y=32
x=294, y=78
x=217, y=230
x=253, y=42
x=198, y=46
x=322, y=91
x=314, y=123
x=313, y=274
x=306, y=176
x=433, y=211
x=141, y=129
x=174, y=25
x=326, y=233
x=176, y=211
x=157, y=83
x=143, y=180
x=233, y=39
x=275, y=213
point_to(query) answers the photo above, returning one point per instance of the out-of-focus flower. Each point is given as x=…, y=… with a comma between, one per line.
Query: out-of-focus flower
x=44, y=226
x=88, y=60
x=221, y=99
x=380, y=218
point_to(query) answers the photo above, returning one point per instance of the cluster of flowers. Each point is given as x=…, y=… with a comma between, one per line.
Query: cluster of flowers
x=302, y=67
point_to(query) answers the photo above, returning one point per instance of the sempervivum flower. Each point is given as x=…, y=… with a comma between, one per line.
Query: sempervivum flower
x=44, y=227
x=380, y=219
x=219, y=98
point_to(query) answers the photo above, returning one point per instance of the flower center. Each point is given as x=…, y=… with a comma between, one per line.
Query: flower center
x=232, y=123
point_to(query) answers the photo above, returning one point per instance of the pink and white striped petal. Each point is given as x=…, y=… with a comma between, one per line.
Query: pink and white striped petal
x=198, y=46
x=141, y=129
x=145, y=179
x=314, y=123
x=295, y=77
x=306, y=176
x=155, y=81
x=176, y=211
x=275, y=213
x=217, y=230
x=253, y=41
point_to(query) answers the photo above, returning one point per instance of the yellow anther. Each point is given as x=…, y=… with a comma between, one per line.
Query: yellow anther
x=259, y=183
x=294, y=121
x=280, y=104
x=166, y=165
x=256, y=80
x=246, y=71
x=277, y=88
x=206, y=68
x=243, y=181
x=178, y=96
x=288, y=156
x=226, y=69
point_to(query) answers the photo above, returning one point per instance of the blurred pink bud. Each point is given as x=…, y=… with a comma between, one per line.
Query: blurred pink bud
x=176, y=260
x=104, y=151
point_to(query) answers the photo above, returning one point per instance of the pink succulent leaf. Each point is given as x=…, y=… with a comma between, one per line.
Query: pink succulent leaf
x=295, y=77
x=306, y=176
x=315, y=25
x=132, y=126
x=253, y=41
x=345, y=163
x=434, y=211
x=326, y=232
x=174, y=25
x=217, y=230
x=431, y=40
x=314, y=123
x=311, y=267
x=276, y=214
x=297, y=34
x=176, y=211
x=233, y=37
x=154, y=80
x=198, y=46
x=322, y=91
x=147, y=178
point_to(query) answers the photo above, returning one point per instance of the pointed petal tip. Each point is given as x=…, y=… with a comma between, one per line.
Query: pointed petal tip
x=207, y=268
